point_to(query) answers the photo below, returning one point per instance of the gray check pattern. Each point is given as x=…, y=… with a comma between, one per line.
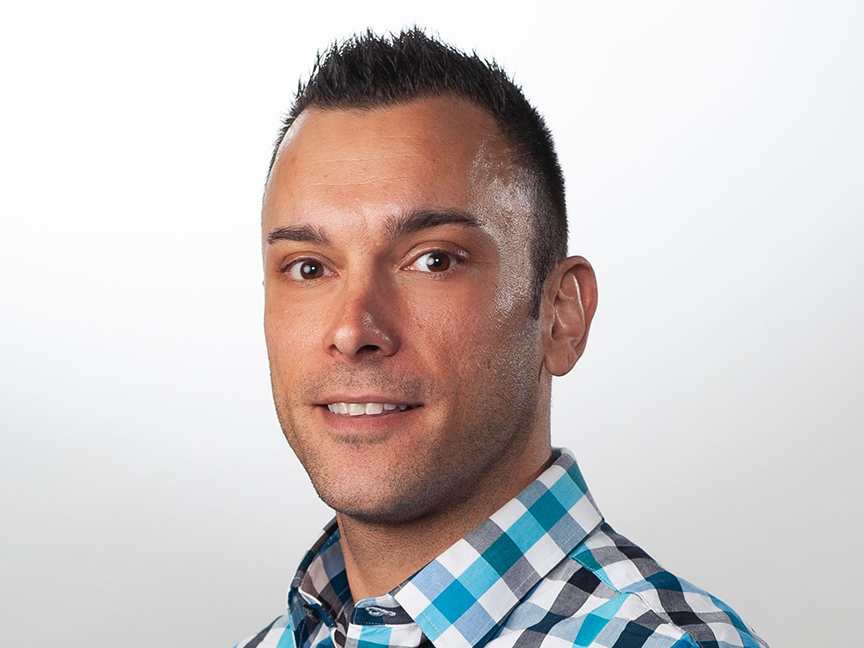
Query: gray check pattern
x=545, y=571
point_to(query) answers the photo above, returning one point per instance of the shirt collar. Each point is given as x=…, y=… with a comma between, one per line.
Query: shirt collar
x=460, y=599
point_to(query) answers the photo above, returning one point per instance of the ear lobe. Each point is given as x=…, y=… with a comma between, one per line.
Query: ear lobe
x=572, y=295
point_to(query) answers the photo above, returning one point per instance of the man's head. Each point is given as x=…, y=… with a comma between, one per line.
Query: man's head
x=373, y=72
x=410, y=353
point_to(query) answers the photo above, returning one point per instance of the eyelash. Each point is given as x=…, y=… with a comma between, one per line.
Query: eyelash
x=454, y=259
x=299, y=263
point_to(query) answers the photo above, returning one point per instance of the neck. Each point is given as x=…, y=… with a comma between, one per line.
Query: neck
x=380, y=556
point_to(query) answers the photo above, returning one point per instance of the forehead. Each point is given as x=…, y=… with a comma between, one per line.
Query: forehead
x=435, y=152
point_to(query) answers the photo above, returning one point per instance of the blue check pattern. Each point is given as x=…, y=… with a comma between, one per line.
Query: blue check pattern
x=545, y=571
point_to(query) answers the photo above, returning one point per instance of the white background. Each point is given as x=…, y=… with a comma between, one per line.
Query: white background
x=714, y=154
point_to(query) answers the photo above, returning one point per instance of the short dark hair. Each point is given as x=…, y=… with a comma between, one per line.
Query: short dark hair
x=371, y=71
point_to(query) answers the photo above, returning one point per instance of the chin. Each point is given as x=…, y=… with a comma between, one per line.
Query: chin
x=381, y=501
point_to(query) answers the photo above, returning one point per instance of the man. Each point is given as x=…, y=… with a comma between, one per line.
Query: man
x=418, y=302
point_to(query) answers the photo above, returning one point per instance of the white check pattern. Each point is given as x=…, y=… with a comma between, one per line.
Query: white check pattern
x=545, y=571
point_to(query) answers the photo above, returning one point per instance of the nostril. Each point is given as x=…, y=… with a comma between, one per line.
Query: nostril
x=355, y=333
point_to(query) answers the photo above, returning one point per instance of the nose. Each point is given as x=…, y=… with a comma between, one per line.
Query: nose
x=363, y=321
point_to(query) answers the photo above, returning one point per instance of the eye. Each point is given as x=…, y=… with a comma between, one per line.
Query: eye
x=307, y=269
x=435, y=261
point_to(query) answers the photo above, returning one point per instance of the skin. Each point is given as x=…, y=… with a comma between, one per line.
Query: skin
x=397, y=271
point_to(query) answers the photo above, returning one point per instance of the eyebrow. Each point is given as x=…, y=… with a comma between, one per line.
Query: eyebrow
x=396, y=227
x=299, y=233
x=420, y=219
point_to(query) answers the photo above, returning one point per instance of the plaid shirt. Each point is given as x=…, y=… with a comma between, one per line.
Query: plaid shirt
x=545, y=571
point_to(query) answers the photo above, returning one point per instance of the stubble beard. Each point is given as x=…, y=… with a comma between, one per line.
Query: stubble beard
x=446, y=468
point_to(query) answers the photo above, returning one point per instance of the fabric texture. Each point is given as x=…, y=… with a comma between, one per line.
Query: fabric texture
x=543, y=571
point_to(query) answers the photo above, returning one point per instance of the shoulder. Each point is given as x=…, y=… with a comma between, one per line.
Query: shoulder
x=276, y=635
x=609, y=592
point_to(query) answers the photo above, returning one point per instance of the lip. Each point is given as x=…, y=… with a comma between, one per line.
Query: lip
x=369, y=427
x=364, y=398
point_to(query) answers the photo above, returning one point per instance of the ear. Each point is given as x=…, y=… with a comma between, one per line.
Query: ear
x=570, y=299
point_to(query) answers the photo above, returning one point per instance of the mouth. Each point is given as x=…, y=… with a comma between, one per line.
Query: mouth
x=343, y=408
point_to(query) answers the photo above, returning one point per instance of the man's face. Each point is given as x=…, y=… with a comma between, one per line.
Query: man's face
x=406, y=370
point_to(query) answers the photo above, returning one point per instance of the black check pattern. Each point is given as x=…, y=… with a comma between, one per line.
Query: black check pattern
x=545, y=571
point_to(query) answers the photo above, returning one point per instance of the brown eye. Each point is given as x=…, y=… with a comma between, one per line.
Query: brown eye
x=310, y=270
x=307, y=269
x=437, y=261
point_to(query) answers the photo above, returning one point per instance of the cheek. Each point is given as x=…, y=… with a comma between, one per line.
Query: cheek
x=493, y=336
x=459, y=328
x=287, y=332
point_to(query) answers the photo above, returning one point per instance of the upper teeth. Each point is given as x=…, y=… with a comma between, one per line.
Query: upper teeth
x=356, y=409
